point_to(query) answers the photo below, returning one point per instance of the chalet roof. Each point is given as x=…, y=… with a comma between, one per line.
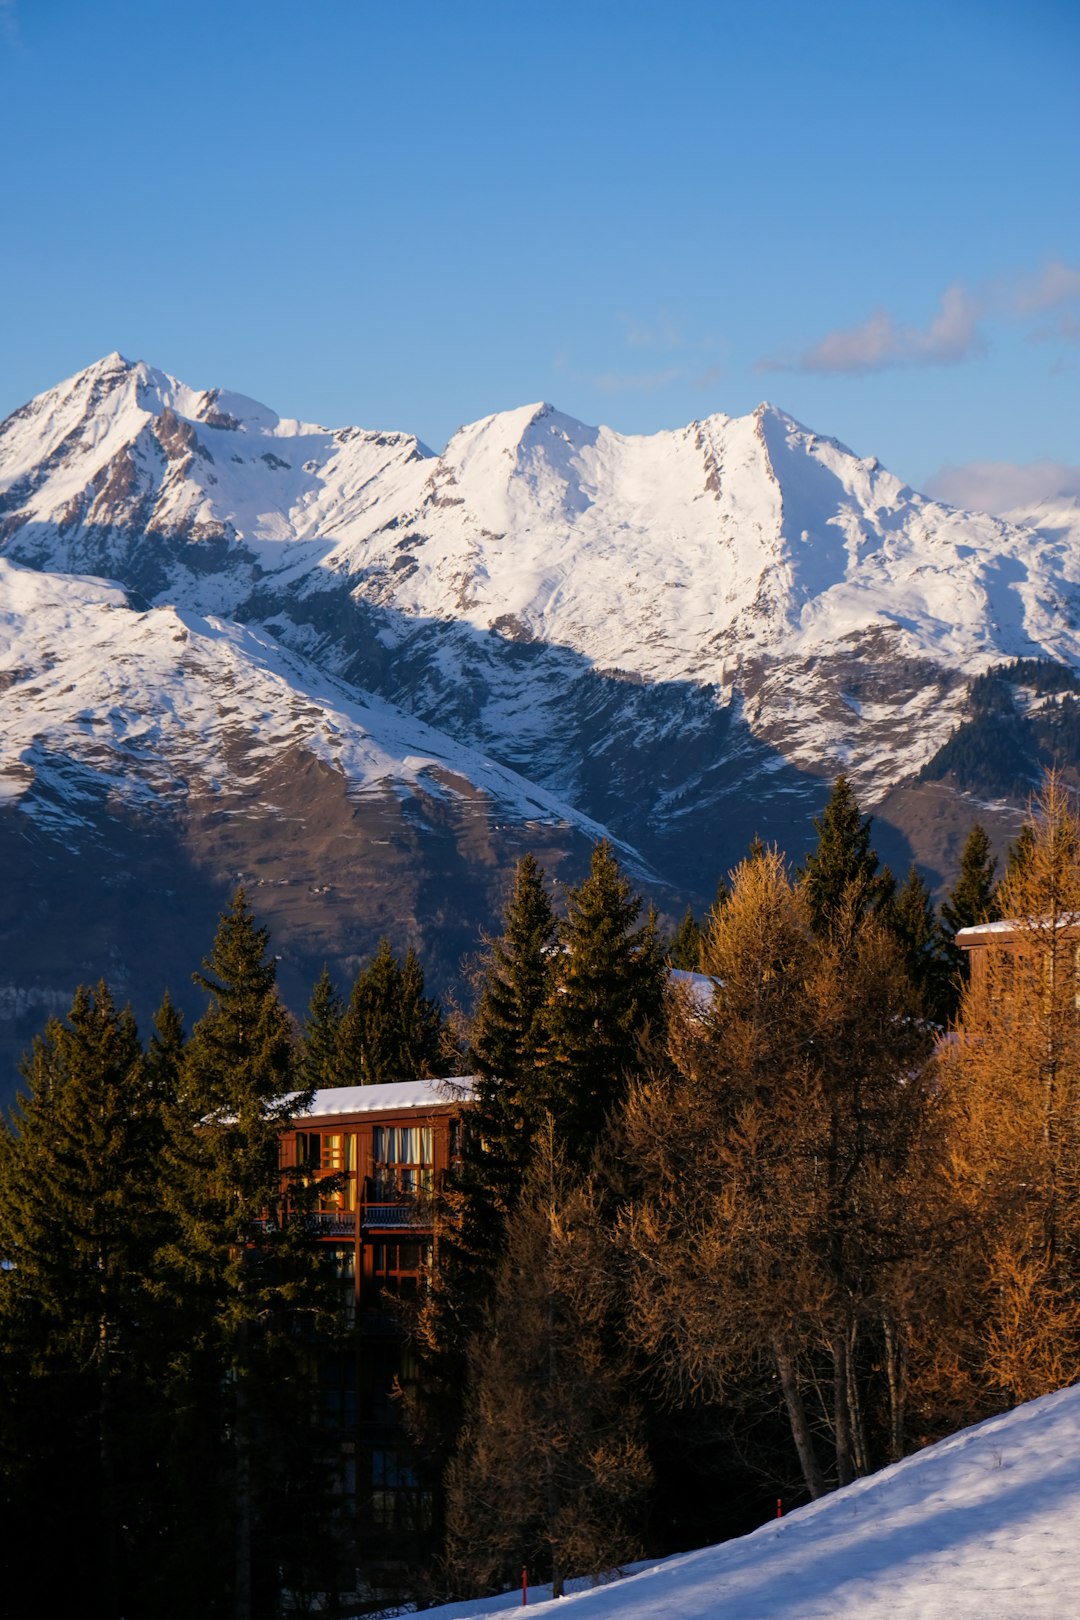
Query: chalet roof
x=399, y=1097
x=1011, y=927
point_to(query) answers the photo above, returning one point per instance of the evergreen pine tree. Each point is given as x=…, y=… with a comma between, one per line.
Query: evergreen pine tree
x=80, y=1329
x=972, y=900
x=323, y=1065
x=684, y=952
x=248, y=1271
x=506, y=1047
x=391, y=1029
x=841, y=879
x=910, y=919
x=610, y=982
x=1018, y=857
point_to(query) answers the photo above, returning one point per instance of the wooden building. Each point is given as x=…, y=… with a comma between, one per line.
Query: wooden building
x=379, y=1152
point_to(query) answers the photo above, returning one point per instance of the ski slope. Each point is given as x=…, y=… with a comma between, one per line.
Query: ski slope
x=985, y=1524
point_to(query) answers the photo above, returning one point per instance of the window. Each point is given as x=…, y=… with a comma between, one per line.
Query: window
x=396, y=1501
x=403, y=1157
x=330, y=1153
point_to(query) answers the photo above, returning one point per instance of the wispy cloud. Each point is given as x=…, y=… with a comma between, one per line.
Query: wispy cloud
x=1004, y=486
x=636, y=382
x=956, y=331
x=659, y=333
x=9, y=22
x=677, y=356
x=710, y=376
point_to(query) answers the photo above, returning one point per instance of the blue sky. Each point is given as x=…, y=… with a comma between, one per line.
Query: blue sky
x=410, y=215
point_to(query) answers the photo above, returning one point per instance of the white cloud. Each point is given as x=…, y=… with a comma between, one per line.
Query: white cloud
x=955, y=332
x=880, y=341
x=1053, y=287
x=1004, y=486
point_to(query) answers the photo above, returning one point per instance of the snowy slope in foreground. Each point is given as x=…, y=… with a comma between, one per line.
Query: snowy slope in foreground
x=986, y=1523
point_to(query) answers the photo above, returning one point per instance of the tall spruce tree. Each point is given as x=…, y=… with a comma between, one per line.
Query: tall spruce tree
x=506, y=1048
x=323, y=1064
x=910, y=918
x=972, y=900
x=81, y=1343
x=391, y=1029
x=250, y=1274
x=508, y=1035
x=610, y=982
x=684, y=952
x=842, y=879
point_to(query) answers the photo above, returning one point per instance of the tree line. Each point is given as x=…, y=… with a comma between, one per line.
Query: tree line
x=711, y=1241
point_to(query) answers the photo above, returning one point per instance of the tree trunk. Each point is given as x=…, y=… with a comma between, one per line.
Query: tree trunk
x=107, y=1476
x=858, y=1427
x=845, y=1468
x=800, y=1425
x=242, y=1443
x=894, y=1365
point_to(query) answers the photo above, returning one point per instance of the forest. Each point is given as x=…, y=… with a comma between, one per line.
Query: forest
x=719, y=1237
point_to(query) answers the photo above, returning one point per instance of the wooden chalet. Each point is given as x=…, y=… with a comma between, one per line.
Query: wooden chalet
x=380, y=1152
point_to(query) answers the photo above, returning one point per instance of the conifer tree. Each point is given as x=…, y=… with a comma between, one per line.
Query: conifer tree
x=773, y=1165
x=80, y=1328
x=323, y=1064
x=508, y=1041
x=971, y=901
x=391, y=1029
x=506, y=1049
x=841, y=879
x=684, y=952
x=910, y=918
x=610, y=982
x=248, y=1271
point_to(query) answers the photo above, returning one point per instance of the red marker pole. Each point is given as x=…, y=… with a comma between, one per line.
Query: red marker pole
x=524, y=1588
x=779, y=1507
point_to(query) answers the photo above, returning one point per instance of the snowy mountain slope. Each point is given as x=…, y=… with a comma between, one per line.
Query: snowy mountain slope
x=683, y=637
x=670, y=556
x=982, y=1526
x=145, y=705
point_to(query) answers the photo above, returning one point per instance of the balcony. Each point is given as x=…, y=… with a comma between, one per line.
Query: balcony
x=395, y=1217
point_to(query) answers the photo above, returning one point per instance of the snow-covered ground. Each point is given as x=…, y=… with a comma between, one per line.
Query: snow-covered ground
x=985, y=1524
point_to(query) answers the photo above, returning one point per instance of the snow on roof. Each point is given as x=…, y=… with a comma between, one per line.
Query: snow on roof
x=982, y=1526
x=398, y=1097
x=699, y=986
x=1015, y=925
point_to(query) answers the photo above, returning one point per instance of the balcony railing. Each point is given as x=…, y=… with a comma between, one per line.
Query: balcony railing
x=386, y=1217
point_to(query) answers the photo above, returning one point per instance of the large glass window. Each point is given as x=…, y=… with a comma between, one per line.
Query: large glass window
x=403, y=1155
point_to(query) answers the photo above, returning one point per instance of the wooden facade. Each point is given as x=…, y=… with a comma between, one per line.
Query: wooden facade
x=379, y=1152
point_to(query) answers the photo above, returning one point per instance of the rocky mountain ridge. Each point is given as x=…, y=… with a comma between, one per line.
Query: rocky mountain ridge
x=678, y=638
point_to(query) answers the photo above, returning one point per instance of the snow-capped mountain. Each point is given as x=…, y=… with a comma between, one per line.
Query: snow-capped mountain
x=483, y=586
x=679, y=637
